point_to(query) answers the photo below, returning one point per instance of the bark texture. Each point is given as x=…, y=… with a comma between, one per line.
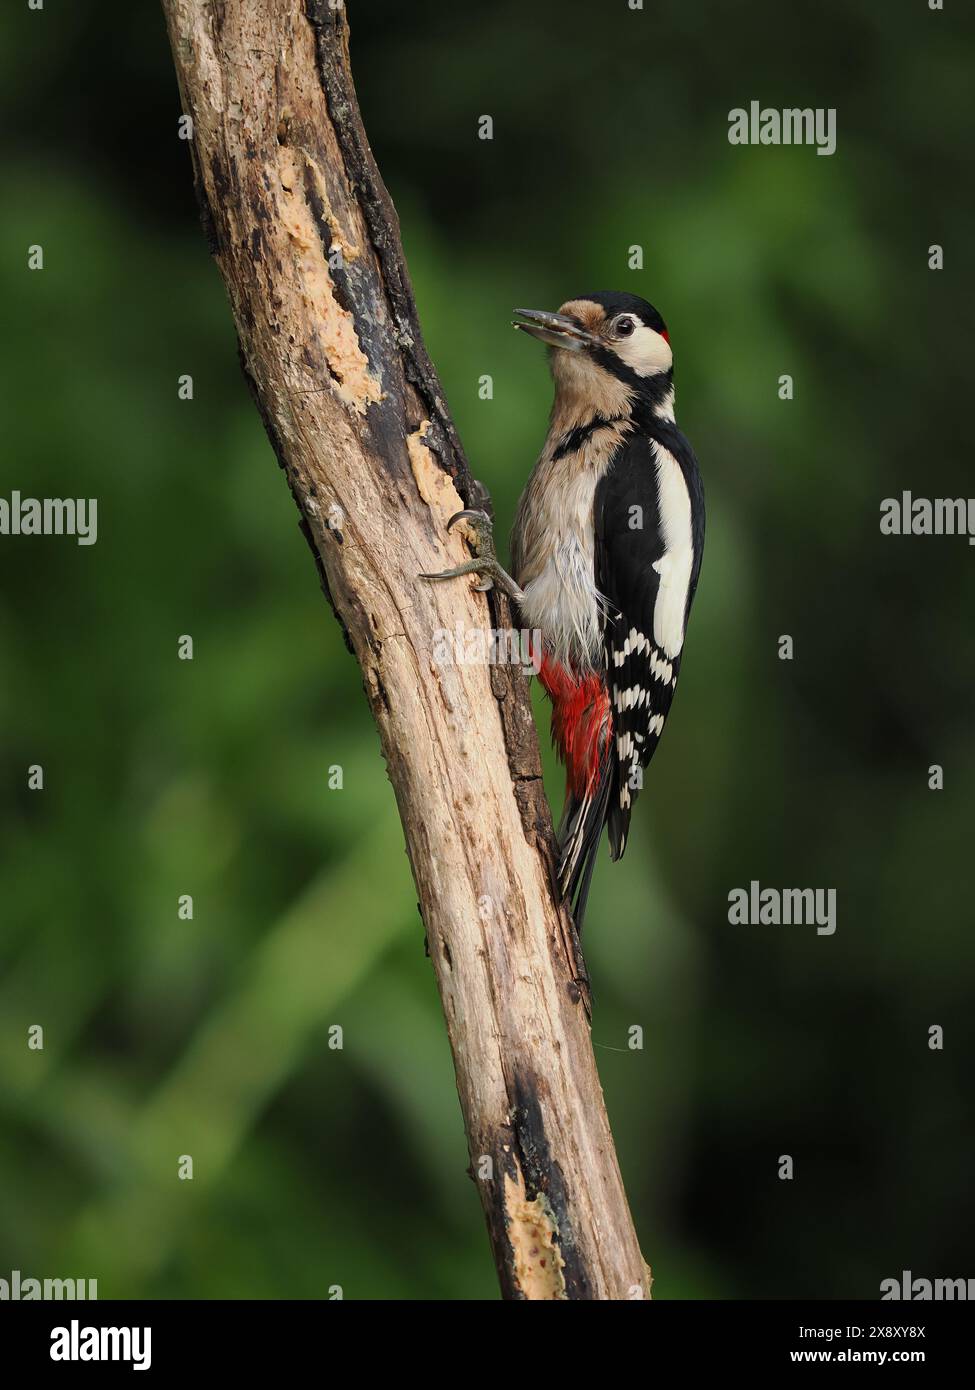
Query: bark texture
x=308, y=245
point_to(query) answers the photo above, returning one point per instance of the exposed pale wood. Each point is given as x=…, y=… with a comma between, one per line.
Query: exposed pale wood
x=353, y=408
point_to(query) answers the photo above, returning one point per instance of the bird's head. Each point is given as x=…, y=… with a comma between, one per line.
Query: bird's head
x=606, y=346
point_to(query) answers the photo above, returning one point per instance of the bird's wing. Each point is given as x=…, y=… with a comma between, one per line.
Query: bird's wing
x=646, y=597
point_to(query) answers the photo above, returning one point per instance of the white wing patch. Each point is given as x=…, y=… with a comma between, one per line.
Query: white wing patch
x=675, y=565
x=636, y=644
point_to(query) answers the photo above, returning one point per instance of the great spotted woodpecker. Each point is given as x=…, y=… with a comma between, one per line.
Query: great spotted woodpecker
x=606, y=551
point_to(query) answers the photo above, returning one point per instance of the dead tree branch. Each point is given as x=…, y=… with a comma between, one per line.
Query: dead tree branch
x=308, y=245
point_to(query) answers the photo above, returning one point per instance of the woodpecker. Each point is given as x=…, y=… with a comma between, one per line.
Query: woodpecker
x=606, y=552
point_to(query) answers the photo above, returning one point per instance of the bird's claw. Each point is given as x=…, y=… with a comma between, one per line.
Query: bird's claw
x=478, y=566
x=485, y=562
x=481, y=524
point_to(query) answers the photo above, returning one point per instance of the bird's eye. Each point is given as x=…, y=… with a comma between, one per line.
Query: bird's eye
x=624, y=327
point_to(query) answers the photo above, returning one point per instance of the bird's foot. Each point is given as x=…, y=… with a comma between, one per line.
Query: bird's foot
x=485, y=562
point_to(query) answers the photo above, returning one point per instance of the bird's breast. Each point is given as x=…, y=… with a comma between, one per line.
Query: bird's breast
x=553, y=546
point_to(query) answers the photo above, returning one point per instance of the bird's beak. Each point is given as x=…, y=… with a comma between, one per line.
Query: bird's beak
x=555, y=329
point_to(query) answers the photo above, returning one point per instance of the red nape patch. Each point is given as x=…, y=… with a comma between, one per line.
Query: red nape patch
x=581, y=722
x=665, y=335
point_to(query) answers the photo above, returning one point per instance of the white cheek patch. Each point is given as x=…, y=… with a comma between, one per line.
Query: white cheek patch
x=644, y=351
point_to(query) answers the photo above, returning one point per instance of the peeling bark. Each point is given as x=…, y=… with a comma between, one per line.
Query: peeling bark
x=308, y=245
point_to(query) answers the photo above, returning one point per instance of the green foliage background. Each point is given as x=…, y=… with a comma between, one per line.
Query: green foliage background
x=316, y=1167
